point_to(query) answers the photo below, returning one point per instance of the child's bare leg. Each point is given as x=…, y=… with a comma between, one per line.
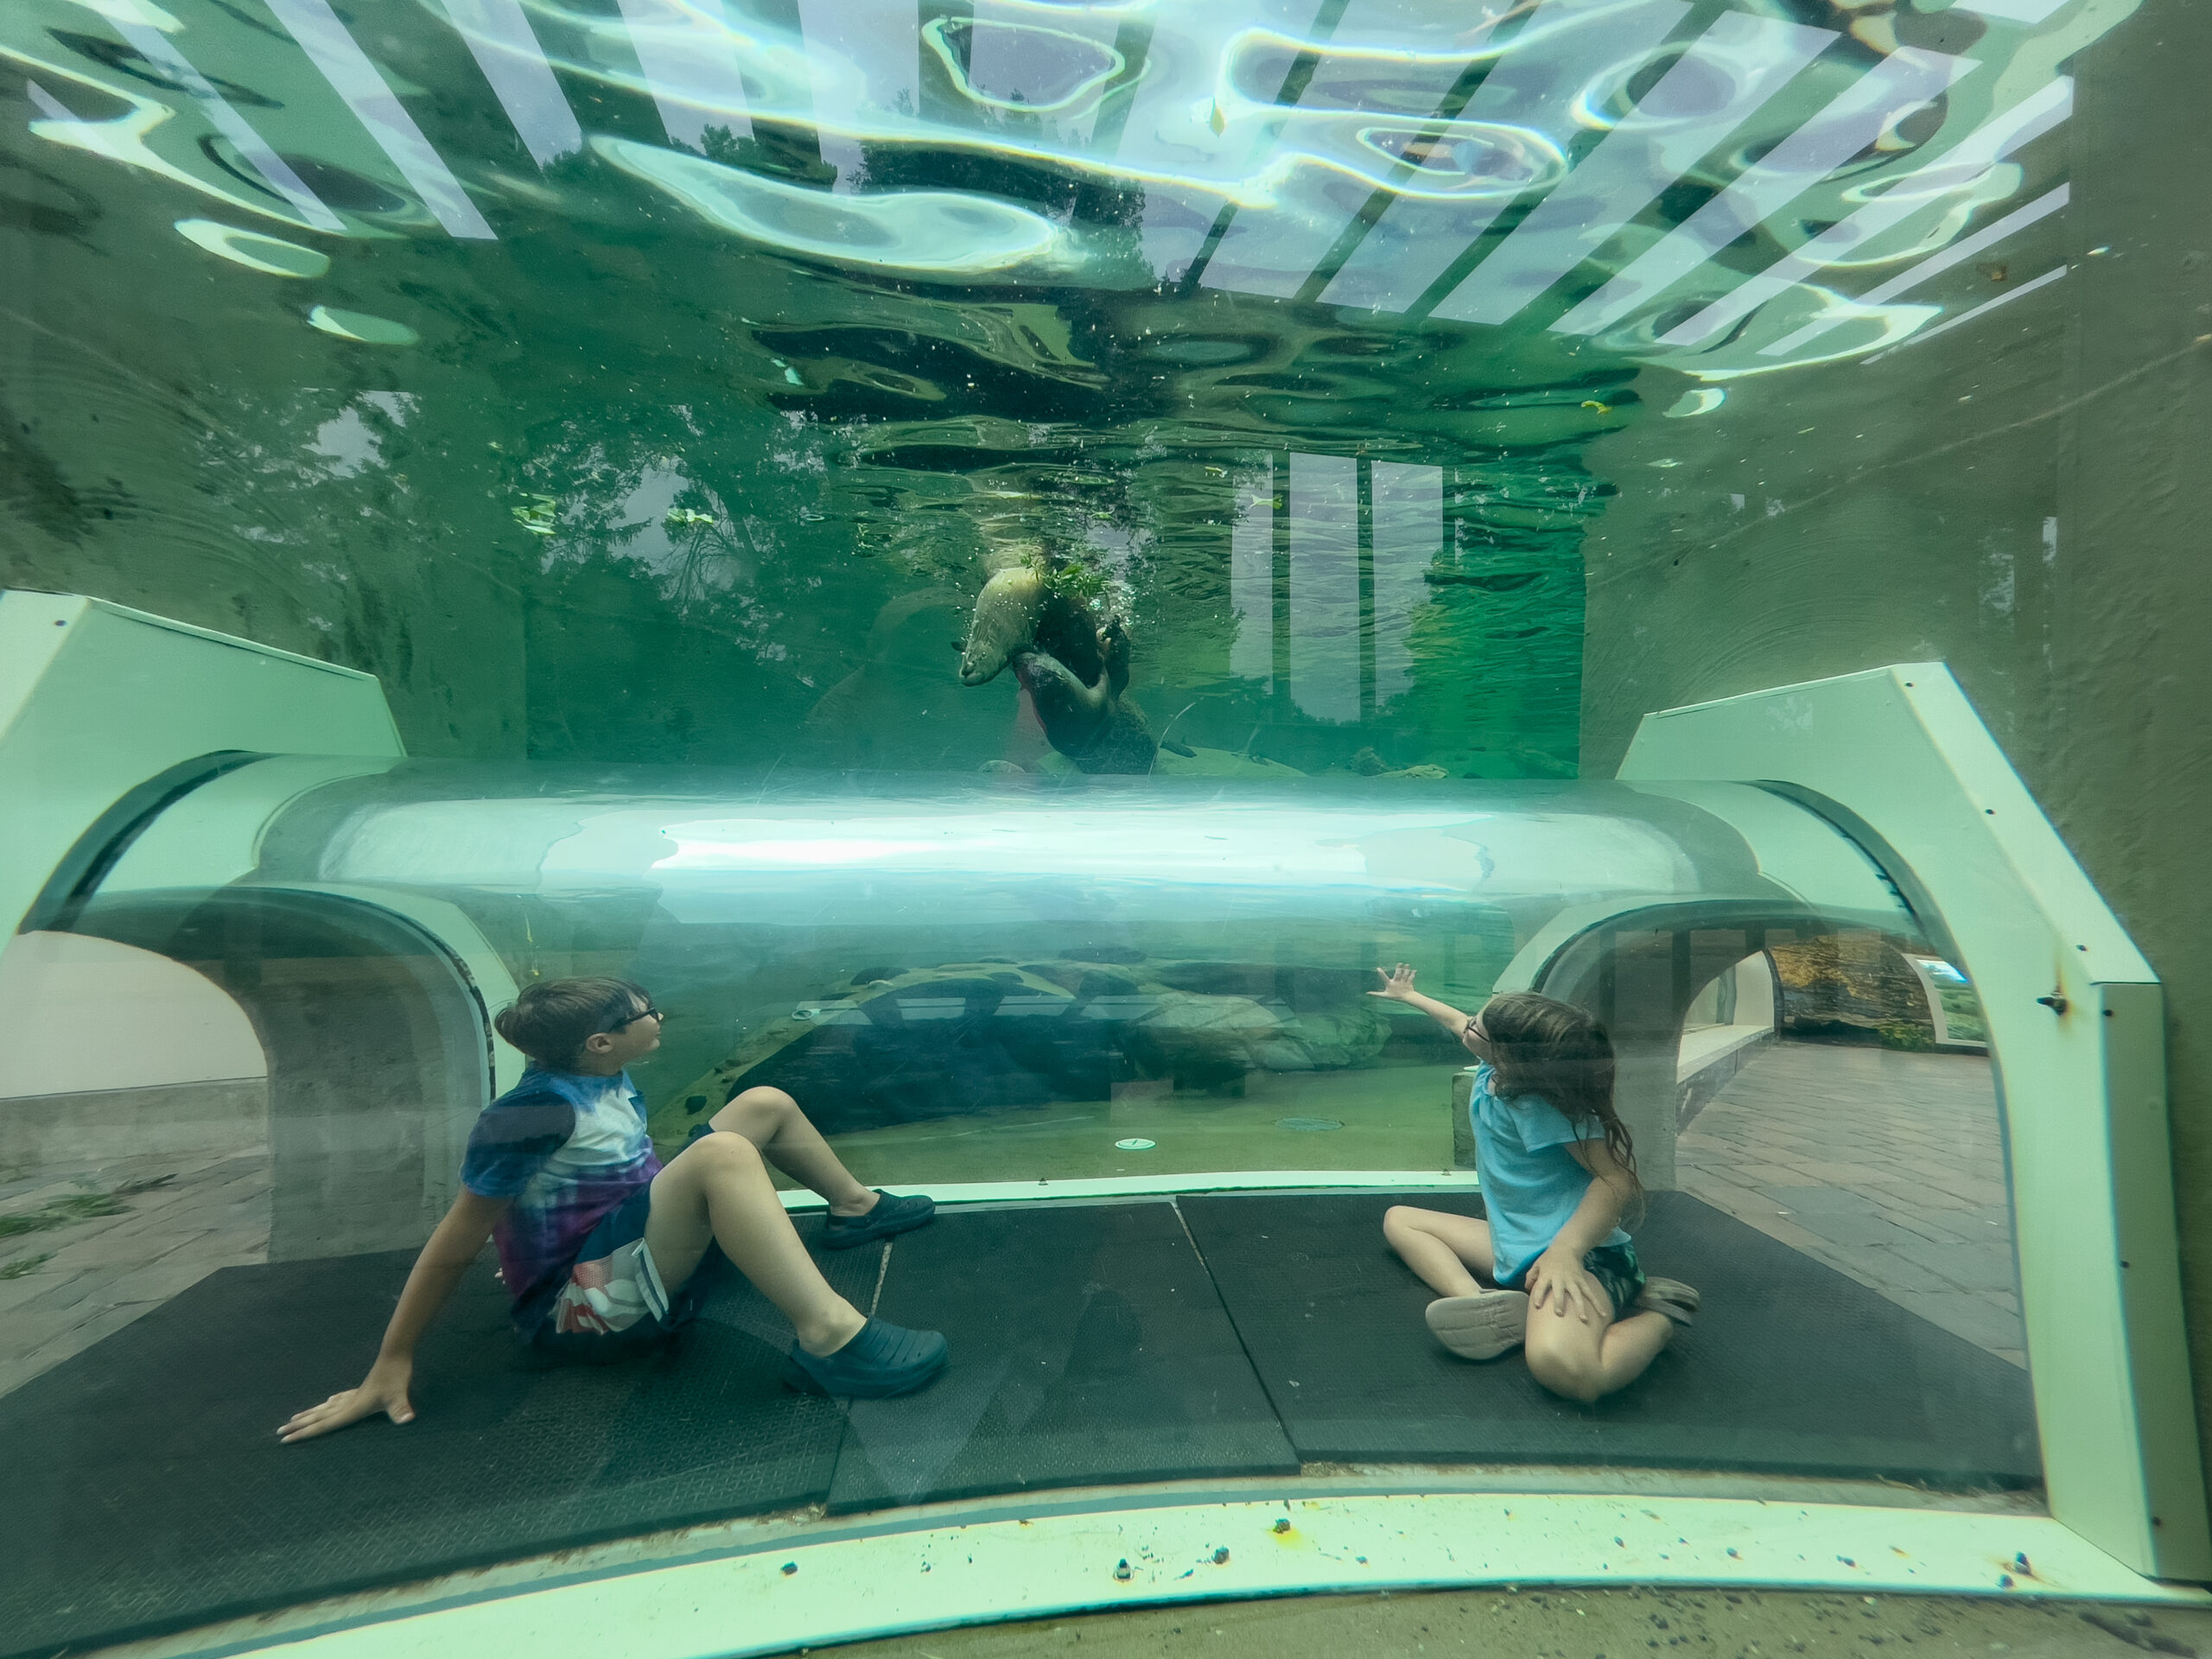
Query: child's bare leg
x=1587, y=1362
x=772, y=1120
x=1446, y=1251
x=718, y=1190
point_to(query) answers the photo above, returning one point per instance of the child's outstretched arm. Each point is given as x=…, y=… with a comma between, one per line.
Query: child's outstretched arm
x=1398, y=987
x=456, y=1242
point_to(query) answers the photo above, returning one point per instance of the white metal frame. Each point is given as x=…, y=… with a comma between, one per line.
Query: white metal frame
x=1898, y=757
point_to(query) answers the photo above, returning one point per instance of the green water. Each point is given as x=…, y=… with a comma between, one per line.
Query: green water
x=690, y=436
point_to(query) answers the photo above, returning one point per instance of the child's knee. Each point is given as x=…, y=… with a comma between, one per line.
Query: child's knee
x=1569, y=1377
x=754, y=1102
x=1401, y=1219
x=725, y=1152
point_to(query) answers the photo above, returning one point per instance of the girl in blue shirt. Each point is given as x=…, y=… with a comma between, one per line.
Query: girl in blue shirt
x=1551, y=1268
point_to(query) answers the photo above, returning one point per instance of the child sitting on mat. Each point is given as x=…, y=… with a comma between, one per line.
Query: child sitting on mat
x=599, y=1246
x=1558, y=1171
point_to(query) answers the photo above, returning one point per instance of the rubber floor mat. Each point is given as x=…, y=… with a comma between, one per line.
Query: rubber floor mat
x=1790, y=1368
x=147, y=1488
x=1088, y=1347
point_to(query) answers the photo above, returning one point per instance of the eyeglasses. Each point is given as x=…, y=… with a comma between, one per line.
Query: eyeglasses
x=623, y=1022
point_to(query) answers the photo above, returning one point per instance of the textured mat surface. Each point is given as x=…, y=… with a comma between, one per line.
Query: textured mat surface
x=1791, y=1367
x=146, y=1487
x=1089, y=1346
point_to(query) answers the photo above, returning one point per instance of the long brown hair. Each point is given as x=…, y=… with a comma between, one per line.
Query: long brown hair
x=1554, y=1050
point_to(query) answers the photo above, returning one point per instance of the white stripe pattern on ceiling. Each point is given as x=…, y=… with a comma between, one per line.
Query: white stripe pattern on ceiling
x=1274, y=249
x=156, y=49
x=689, y=59
x=1731, y=70
x=1560, y=51
x=1849, y=124
x=1965, y=317
x=1012, y=58
x=498, y=37
x=1176, y=126
x=1934, y=265
x=865, y=56
x=1959, y=168
x=355, y=80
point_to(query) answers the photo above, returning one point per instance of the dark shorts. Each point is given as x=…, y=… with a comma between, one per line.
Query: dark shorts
x=1613, y=1266
x=622, y=1226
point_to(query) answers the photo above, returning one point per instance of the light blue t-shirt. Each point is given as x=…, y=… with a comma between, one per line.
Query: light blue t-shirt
x=1532, y=1185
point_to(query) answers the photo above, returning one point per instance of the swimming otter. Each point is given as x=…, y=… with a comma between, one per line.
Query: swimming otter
x=1094, y=725
x=1075, y=668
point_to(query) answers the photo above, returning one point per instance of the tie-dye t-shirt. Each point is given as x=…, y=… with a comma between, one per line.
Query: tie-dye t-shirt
x=566, y=1150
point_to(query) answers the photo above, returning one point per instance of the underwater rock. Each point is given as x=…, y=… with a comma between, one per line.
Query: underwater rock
x=887, y=1046
x=1328, y=1040
x=1007, y=612
x=1200, y=1040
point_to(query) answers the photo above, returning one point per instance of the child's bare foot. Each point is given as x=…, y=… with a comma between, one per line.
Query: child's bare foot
x=1671, y=1297
x=1481, y=1326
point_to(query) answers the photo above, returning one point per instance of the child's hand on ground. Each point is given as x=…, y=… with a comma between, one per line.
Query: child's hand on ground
x=384, y=1389
x=1559, y=1280
x=1397, y=984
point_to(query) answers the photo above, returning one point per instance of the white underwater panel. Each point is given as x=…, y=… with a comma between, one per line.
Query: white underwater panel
x=498, y=36
x=1846, y=127
x=865, y=58
x=1566, y=48
x=1965, y=162
x=689, y=59
x=1252, y=581
x=355, y=80
x=1735, y=67
x=1325, y=586
x=1407, y=528
x=156, y=49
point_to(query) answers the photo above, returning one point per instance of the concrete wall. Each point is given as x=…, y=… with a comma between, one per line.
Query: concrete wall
x=80, y=1014
x=109, y=1051
x=2022, y=498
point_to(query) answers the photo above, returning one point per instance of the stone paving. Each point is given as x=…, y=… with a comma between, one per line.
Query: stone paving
x=64, y=1287
x=1886, y=1166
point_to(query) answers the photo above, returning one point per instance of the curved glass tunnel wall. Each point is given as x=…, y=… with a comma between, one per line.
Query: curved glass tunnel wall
x=971, y=981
